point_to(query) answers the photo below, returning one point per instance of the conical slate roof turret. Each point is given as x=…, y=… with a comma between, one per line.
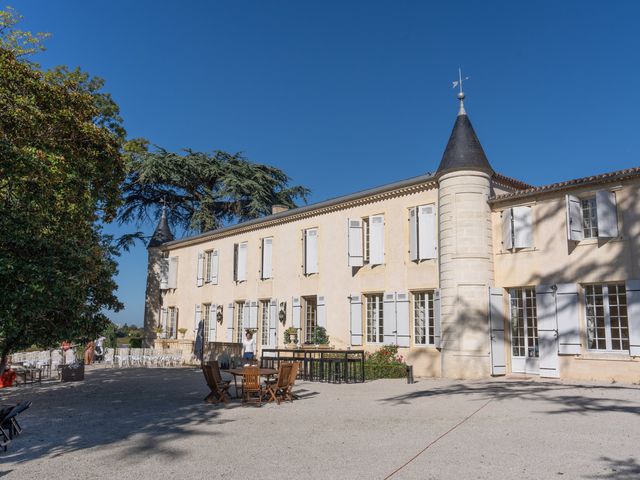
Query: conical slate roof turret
x=163, y=232
x=463, y=151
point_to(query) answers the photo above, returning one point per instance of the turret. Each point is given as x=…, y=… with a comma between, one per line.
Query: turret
x=153, y=294
x=465, y=239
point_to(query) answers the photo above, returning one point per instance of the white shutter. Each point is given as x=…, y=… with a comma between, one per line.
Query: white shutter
x=389, y=318
x=311, y=251
x=235, y=262
x=607, y=214
x=322, y=312
x=413, y=234
x=403, y=332
x=196, y=318
x=273, y=323
x=267, y=255
x=164, y=313
x=172, y=281
x=228, y=318
x=174, y=323
x=213, y=323
x=633, y=315
x=242, y=262
x=496, y=324
x=523, y=227
x=297, y=312
x=253, y=315
x=246, y=316
x=200, y=270
x=354, y=241
x=507, y=229
x=547, y=332
x=164, y=273
x=215, y=265
x=356, y=319
x=574, y=218
x=437, y=341
x=568, y=319
x=427, y=232
x=376, y=240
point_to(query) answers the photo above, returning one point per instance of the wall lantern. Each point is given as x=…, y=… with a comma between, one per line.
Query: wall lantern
x=282, y=314
x=219, y=314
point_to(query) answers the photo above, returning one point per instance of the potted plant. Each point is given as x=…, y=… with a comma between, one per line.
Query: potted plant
x=158, y=331
x=320, y=338
x=182, y=331
x=291, y=337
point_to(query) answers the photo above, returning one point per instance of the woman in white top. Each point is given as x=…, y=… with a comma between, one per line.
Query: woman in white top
x=248, y=347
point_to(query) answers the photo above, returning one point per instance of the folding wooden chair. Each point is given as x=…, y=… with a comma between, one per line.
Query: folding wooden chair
x=219, y=392
x=277, y=388
x=293, y=374
x=251, y=384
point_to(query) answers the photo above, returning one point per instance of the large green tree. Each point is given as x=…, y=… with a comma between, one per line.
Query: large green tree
x=203, y=191
x=61, y=168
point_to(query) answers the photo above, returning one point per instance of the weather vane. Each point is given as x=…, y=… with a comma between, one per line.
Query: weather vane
x=458, y=83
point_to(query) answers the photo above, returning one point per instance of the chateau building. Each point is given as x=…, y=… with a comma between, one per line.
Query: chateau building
x=471, y=273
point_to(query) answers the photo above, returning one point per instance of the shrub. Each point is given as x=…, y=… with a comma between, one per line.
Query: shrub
x=384, y=363
x=135, y=342
x=320, y=336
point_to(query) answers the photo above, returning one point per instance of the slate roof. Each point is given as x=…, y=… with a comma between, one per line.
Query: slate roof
x=162, y=234
x=463, y=151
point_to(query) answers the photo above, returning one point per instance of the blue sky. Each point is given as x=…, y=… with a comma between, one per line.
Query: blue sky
x=346, y=95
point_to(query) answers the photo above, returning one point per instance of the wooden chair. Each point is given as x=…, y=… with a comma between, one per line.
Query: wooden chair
x=251, y=384
x=215, y=368
x=293, y=374
x=277, y=388
x=219, y=391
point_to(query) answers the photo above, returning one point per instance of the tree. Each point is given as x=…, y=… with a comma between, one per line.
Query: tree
x=61, y=167
x=204, y=191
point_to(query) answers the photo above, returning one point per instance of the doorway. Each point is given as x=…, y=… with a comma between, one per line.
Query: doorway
x=524, y=331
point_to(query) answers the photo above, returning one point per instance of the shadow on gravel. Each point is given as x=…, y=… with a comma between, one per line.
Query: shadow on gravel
x=619, y=469
x=156, y=405
x=561, y=395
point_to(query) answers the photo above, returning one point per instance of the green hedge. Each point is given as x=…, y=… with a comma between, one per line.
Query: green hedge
x=373, y=371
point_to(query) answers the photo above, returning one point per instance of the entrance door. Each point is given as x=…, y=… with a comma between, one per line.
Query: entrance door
x=524, y=331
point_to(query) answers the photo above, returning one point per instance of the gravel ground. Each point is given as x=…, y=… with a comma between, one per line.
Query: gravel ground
x=152, y=423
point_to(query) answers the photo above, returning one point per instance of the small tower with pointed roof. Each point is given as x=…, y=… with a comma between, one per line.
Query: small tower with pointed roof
x=153, y=294
x=465, y=259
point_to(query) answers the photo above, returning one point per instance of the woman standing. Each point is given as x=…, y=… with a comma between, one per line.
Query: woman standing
x=248, y=346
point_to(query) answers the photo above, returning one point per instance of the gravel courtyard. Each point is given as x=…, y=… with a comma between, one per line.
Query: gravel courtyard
x=152, y=424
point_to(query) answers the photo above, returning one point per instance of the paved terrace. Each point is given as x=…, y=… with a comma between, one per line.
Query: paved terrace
x=152, y=424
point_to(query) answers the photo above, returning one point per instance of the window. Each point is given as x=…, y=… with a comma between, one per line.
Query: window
x=422, y=232
x=172, y=327
x=592, y=216
x=240, y=262
x=589, y=218
x=208, y=255
x=239, y=321
x=267, y=257
x=375, y=318
x=311, y=251
x=517, y=228
x=310, y=318
x=264, y=322
x=524, y=322
x=607, y=324
x=206, y=319
x=366, y=237
x=423, y=318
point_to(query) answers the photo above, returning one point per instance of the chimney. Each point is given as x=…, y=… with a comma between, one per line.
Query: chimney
x=278, y=208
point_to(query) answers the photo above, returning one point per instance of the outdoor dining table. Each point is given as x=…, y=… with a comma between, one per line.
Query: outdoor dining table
x=236, y=372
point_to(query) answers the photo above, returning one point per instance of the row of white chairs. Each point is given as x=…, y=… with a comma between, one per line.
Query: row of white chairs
x=115, y=357
x=143, y=357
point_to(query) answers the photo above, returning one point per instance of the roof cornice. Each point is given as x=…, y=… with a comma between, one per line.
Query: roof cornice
x=396, y=189
x=567, y=185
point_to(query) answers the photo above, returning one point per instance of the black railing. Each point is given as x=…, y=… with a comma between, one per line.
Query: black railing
x=319, y=365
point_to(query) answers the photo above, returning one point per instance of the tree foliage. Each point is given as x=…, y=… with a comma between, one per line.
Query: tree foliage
x=61, y=168
x=203, y=191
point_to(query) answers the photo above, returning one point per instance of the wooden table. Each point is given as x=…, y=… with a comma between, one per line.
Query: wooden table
x=236, y=372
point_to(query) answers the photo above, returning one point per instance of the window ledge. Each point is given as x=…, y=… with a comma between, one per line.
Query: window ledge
x=597, y=241
x=606, y=355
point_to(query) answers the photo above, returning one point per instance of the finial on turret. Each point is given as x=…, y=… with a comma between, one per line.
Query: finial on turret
x=458, y=83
